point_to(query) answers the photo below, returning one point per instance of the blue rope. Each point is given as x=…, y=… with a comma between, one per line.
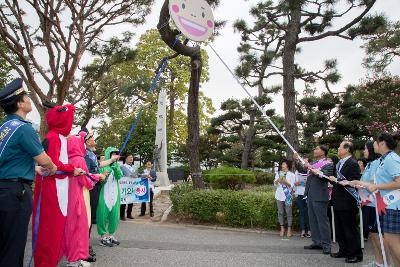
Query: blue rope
x=153, y=85
x=36, y=228
x=37, y=219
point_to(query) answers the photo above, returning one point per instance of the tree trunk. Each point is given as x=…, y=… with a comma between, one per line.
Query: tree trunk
x=289, y=92
x=43, y=124
x=193, y=122
x=248, y=142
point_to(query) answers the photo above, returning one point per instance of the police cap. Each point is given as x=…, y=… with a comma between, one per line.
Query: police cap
x=11, y=90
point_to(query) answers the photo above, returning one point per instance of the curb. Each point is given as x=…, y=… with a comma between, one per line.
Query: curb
x=205, y=227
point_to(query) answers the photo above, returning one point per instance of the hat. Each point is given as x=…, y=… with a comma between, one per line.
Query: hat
x=11, y=90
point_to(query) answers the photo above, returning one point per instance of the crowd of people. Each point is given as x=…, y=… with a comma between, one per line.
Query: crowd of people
x=72, y=191
x=337, y=187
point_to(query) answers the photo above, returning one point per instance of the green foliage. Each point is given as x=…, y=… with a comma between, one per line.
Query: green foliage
x=131, y=75
x=263, y=178
x=382, y=42
x=230, y=177
x=142, y=139
x=233, y=208
x=231, y=129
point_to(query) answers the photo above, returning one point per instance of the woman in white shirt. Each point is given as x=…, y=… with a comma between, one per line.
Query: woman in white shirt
x=284, y=180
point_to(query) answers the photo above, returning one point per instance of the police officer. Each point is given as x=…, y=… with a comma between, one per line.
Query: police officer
x=19, y=149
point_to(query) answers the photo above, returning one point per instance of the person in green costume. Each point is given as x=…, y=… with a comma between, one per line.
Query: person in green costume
x=109, y=201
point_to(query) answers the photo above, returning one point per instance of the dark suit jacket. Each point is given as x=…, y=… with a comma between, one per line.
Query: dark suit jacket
x=316, y=187
x=153, y=175
x=341, y=199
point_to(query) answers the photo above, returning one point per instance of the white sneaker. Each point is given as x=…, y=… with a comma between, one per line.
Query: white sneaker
x=84, y=263
x=79, y=263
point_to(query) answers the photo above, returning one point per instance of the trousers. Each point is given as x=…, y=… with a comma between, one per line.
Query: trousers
x=282, y=206
x=319, y=223
x=347, y=233
x=143, y=206
x=303, y=217
x=15, y=212
x=128, y=212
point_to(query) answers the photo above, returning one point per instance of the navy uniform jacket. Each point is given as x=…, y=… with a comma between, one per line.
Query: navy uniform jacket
x=16, y=161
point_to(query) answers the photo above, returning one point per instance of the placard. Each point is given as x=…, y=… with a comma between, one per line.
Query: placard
x=134, y=190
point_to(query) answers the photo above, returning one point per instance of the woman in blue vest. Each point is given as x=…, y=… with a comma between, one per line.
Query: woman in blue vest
x=386, y=188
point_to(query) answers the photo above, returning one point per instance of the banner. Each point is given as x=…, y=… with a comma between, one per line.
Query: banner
x=134, y=190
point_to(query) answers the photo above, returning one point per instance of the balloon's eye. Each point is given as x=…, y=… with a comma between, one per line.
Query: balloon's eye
x=183, y=6
x=204, y=15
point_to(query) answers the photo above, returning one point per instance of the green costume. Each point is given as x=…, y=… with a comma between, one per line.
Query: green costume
x=109, y=200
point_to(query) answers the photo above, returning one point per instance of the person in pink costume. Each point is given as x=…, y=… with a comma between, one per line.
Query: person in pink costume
x=52, y=191
x=76, y=237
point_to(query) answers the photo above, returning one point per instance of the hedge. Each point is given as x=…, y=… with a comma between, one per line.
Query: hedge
x=230, y=178
x=265, y=178
x=254, y=209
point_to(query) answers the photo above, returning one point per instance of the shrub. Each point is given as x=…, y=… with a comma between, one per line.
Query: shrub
x=265, y=178
x=234, y=208
x=230, y=178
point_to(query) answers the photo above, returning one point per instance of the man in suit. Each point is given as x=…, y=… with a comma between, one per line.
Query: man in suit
x=150, y=174
x=130, y=171
x=317, y=198
x=345, y=206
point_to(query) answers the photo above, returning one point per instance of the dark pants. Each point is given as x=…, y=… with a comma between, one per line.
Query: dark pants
x=143, y=207
x=15, y=212
x=347, y=233
x=319, y=223
x=367, y=213
x=128, y=212
x=94, y=201
x=302, y=206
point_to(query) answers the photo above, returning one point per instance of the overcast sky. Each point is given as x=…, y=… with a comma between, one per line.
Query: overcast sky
x=222, y=86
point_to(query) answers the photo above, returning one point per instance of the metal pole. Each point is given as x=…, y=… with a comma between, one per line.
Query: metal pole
x=380, y=232
x=361, y=227
x=333, y=225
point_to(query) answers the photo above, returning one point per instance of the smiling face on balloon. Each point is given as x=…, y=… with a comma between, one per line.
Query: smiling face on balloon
x=194, y=18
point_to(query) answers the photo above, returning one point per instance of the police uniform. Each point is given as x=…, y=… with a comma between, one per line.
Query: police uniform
x=19, y=143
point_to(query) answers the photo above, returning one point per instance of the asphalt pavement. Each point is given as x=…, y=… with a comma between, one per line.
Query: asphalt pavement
x=146, y=243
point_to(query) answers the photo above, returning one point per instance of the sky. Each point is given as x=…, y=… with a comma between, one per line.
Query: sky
x=222, y=85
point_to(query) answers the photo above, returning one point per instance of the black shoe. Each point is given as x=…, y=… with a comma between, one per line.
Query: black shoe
x=130, y=217
x=123, y=218
x=114, y=241
x=313, y=246
x=91, y=251
x=354, y=259
x=151, y=214
x=106, y=242
x=326, y=251
x=338, y=255
x=141, y=215
x=91, y=259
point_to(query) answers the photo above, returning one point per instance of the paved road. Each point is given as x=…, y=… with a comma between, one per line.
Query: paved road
x=154, y=244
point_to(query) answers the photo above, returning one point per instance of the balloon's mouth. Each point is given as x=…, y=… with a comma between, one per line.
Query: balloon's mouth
x=192, y=27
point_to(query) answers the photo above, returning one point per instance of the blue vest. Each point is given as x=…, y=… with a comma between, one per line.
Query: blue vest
x=6, y=132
